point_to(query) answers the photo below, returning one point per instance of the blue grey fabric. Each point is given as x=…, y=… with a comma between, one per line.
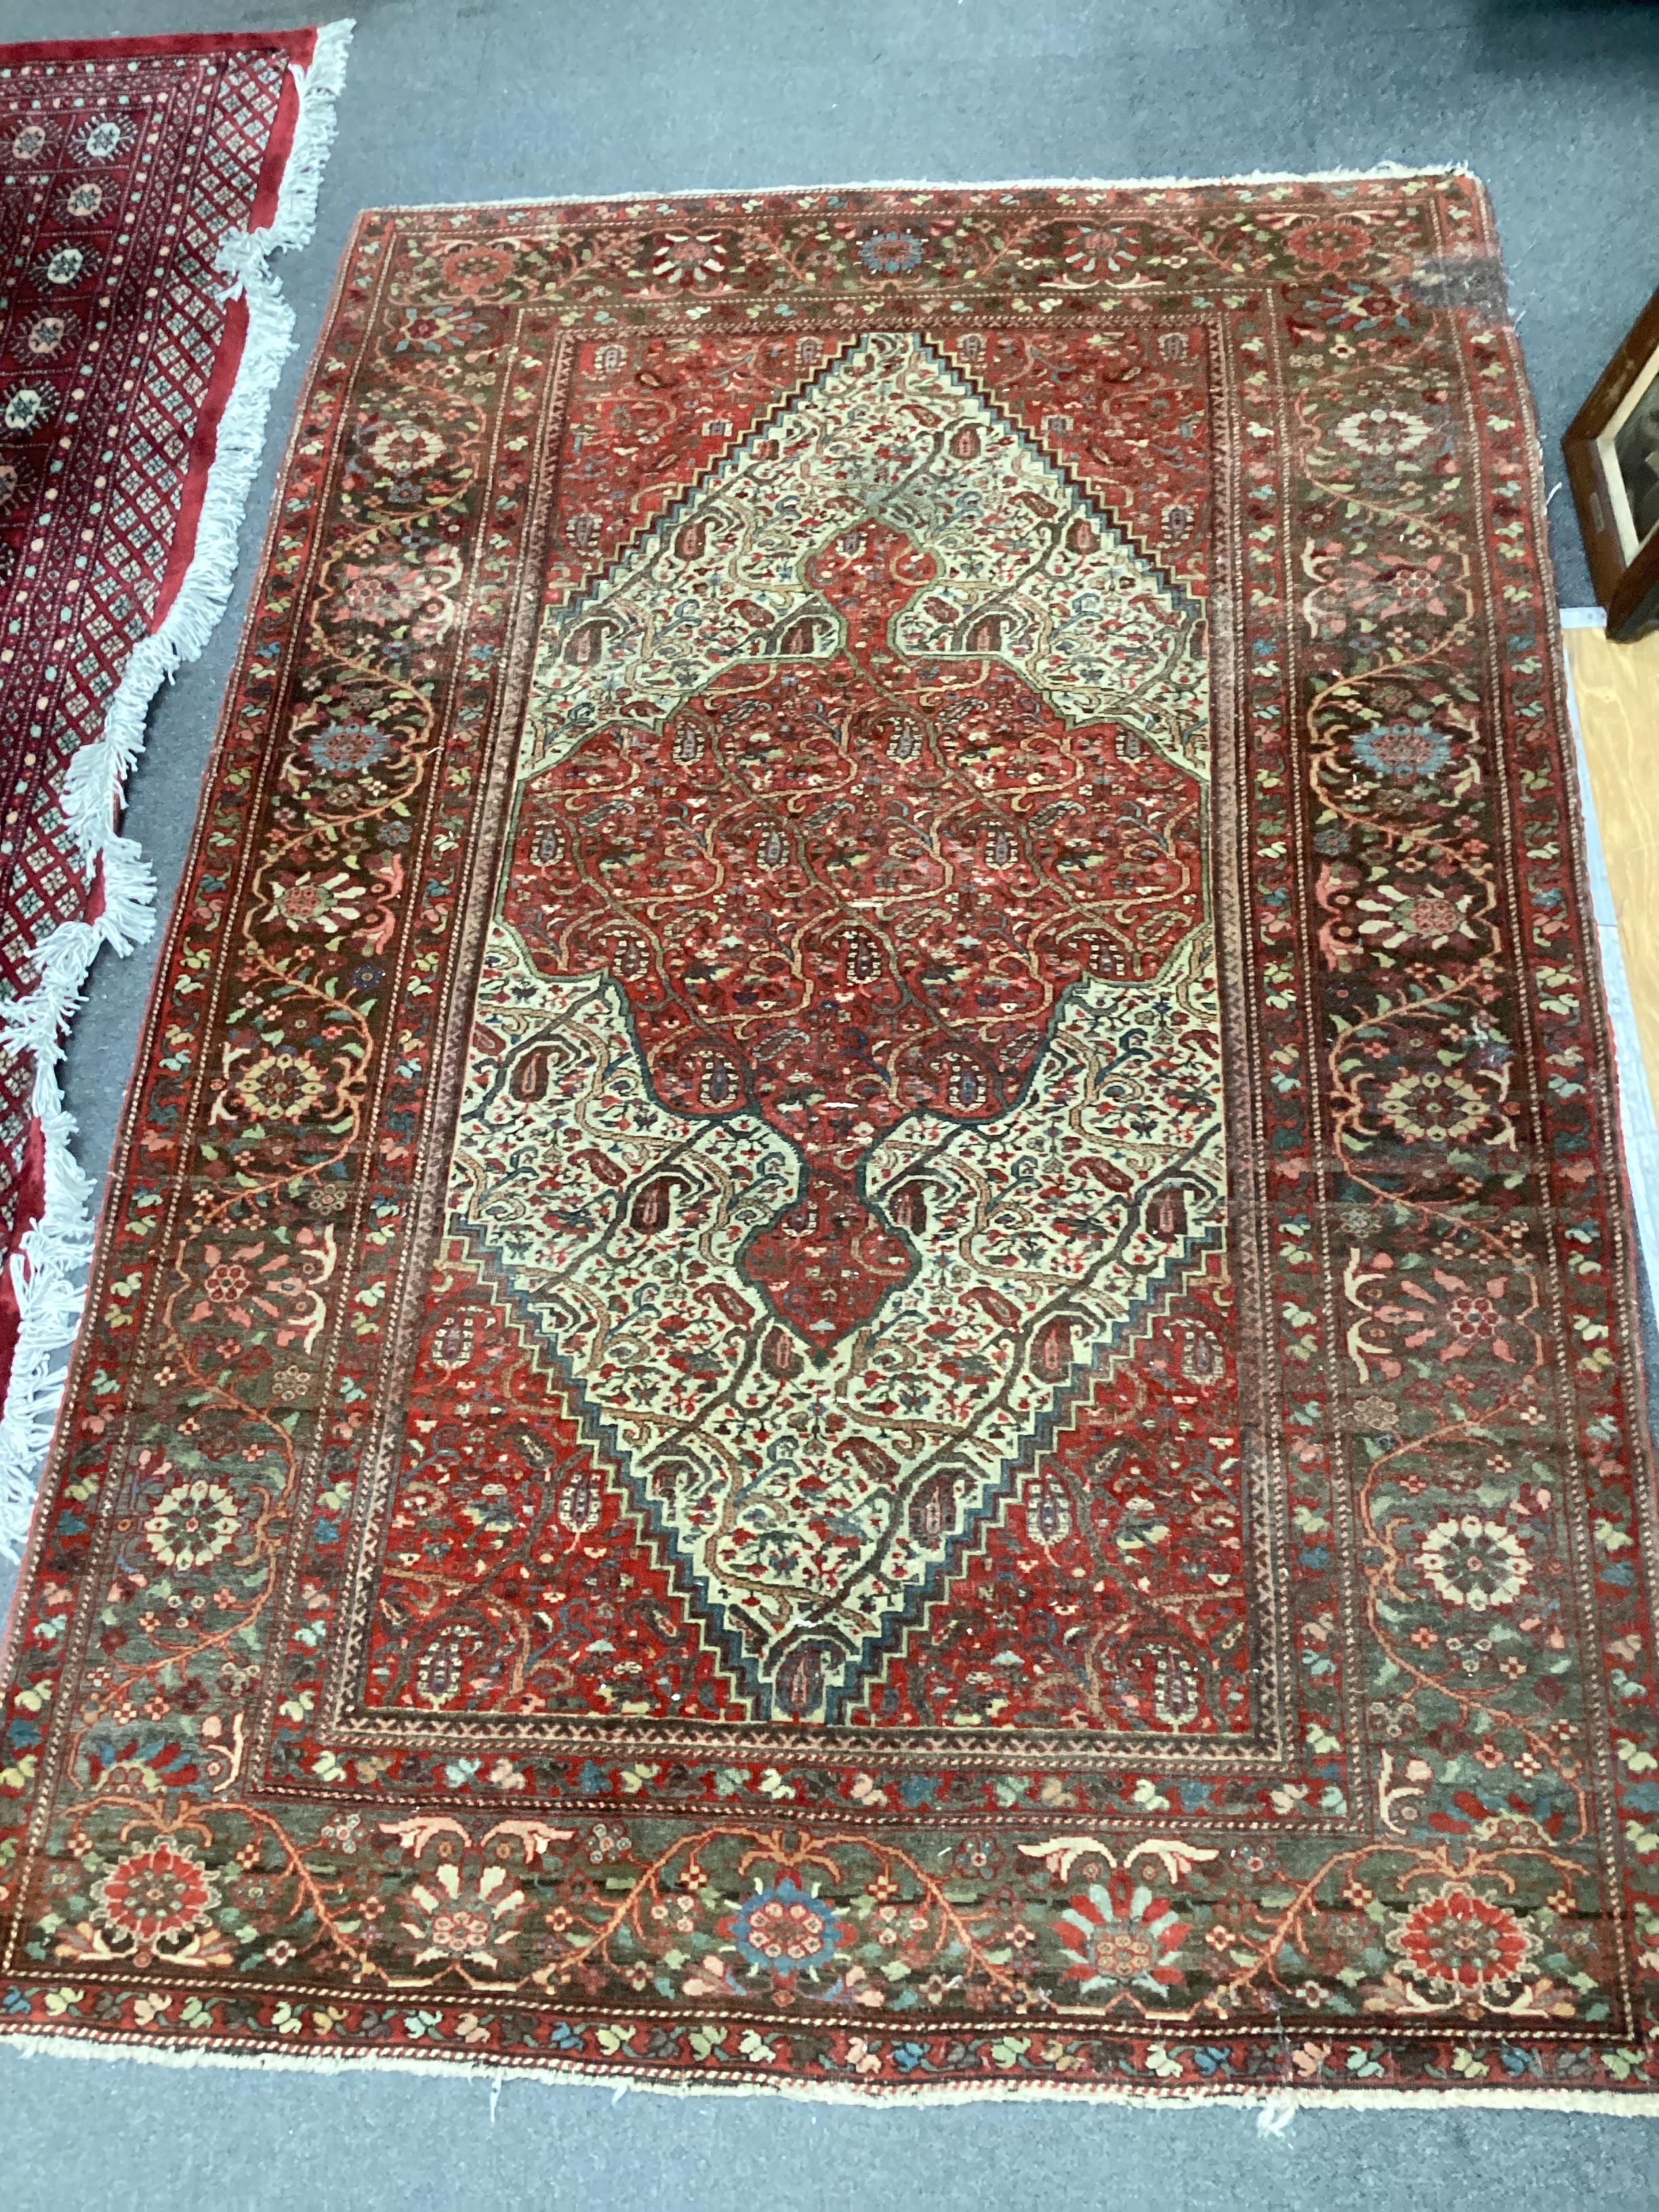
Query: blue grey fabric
x=1554, y=103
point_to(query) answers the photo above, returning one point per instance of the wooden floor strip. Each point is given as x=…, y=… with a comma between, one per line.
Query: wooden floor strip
x=1616, y=691
x=1616, y=710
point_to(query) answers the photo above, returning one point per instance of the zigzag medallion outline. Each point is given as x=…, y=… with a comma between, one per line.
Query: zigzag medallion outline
x=863, y=1665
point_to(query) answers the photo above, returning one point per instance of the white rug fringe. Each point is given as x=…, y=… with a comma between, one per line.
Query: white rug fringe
x=48, y=1271
x=1378, y=170
x=1275, y=2107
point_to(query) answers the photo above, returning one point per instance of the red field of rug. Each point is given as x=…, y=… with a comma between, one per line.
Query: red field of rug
x=141, y=184
x=868, y=1320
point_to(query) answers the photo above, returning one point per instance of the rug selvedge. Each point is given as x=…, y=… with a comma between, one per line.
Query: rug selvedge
x=1071, y=1514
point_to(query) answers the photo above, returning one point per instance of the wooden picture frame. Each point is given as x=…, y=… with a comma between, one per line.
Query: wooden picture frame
x=1611, y=451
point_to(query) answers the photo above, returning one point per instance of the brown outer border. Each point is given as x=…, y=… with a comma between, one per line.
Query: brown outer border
x=1627, y=590
x=127, y=1124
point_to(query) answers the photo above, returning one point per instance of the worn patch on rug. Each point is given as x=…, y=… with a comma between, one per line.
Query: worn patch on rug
x=868, y=1320
x=143, y=183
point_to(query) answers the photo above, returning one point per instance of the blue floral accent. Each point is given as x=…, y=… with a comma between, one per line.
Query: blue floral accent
x=1351, y=308
x=1406, y=751
x=345, y=746
x=891, y=253
x=786, y=1932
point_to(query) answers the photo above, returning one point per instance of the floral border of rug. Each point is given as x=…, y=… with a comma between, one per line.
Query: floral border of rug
x=1195, y=1637
x=146, y=184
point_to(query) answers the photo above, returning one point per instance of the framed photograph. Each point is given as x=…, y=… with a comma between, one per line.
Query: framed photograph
x=1611, y=451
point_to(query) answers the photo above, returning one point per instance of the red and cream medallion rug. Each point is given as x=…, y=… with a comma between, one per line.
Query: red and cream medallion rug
x=868, y=1324
x=143, y=183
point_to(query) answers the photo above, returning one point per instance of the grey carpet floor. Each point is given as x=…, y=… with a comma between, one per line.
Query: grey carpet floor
x=1556, y=104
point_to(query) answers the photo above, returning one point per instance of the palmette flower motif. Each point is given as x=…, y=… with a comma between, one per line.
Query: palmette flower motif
x=245, y=1284
x=1347, y=305
x=892, y=252
x=345, y=747
x=279, y=1086
x=1473, y=1317
x=688, y=257
x=1459, y=1944
x=1396, y=917
x=1375, y=1411
x=1330, y=246
x=152, y=1904
x=403, y=448
x=457, y=1918
x=1122, y=1936
x=326, y=903
x=402, y=595
x=192, y=1524
x=1096, y=252
x=1384, y=590
x=1474, y=1564
x=1372, y=588
x=1430, y=1106
x=1406, y=752
x=472, y=270
x=786, y=1931
x=1386, y=432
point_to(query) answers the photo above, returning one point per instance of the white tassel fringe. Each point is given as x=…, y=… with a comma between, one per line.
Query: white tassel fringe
x=48, y=1271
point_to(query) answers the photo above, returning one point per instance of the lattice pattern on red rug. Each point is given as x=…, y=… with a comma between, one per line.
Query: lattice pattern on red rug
x=142, y=183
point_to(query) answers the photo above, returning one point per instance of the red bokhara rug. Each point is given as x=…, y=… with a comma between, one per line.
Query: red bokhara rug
x=868, y=1318
x=143, y=183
